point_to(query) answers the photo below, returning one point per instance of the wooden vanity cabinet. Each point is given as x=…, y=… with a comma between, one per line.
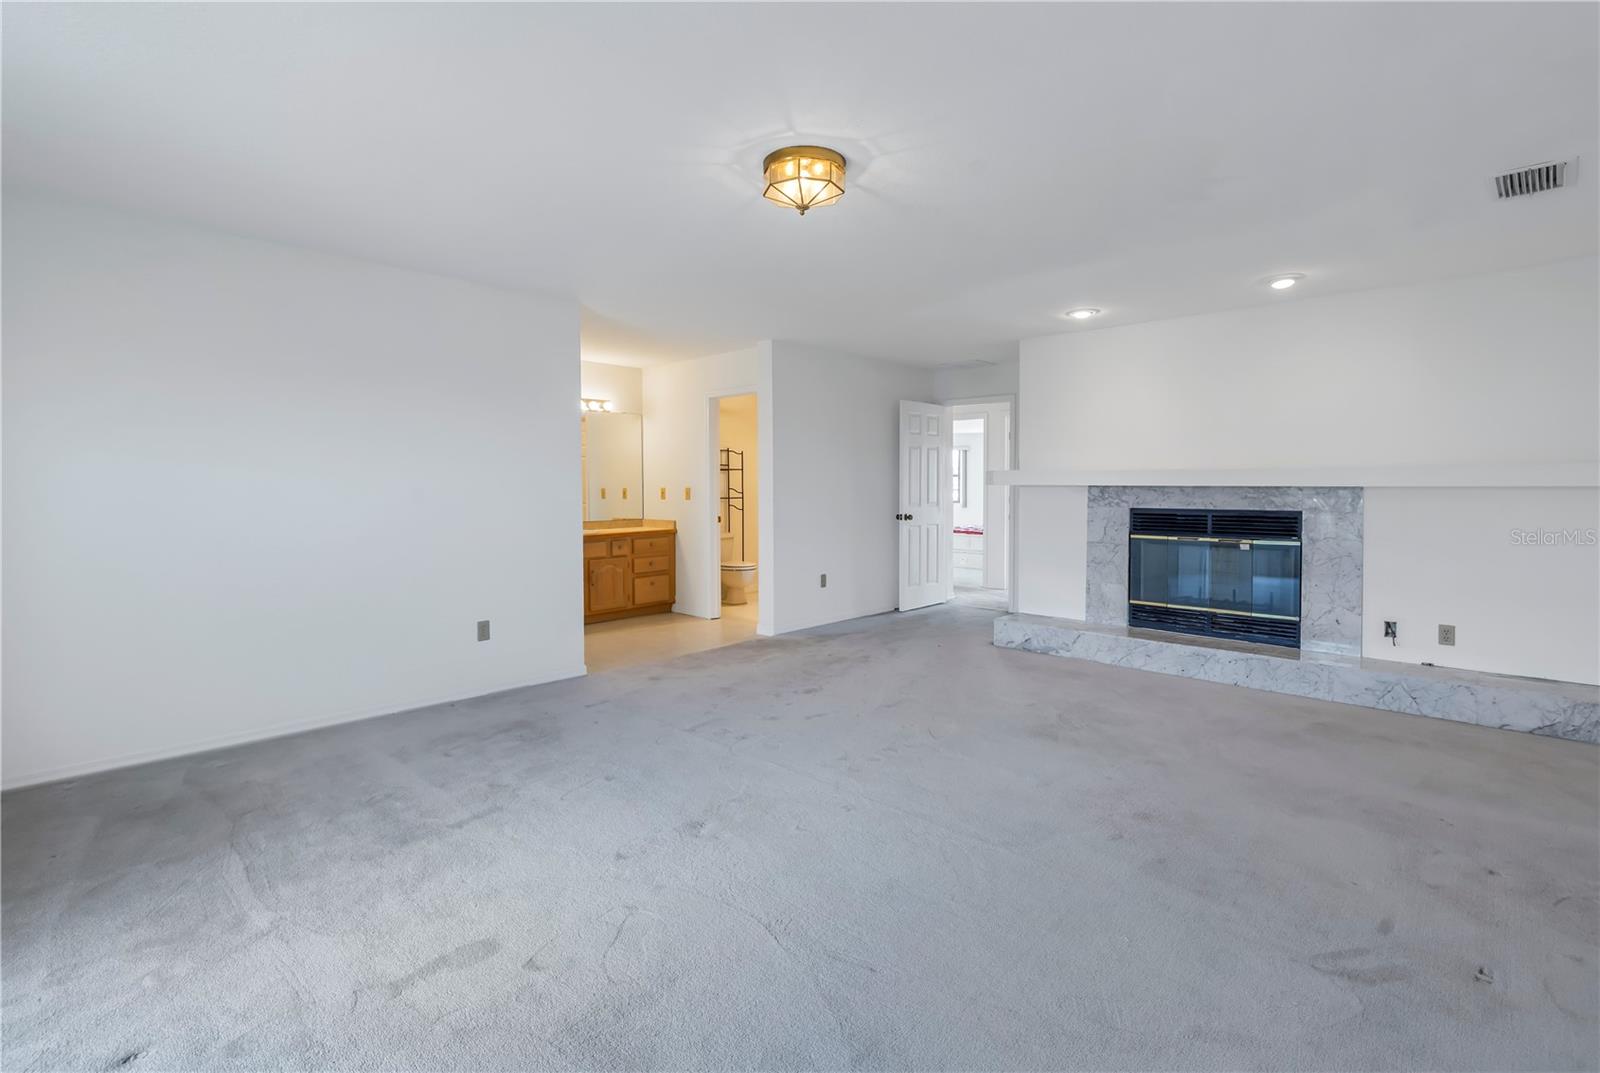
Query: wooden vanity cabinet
x=628, y=574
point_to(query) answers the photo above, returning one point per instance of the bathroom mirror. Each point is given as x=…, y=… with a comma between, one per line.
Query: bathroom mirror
x=613, y=466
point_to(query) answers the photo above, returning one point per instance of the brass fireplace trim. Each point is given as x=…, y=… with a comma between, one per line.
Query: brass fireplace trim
x=1243, y=542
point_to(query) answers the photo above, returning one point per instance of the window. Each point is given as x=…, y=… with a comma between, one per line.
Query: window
x=958, y=476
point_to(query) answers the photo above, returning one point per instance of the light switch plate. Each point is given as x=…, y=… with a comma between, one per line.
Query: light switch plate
x=483, y=630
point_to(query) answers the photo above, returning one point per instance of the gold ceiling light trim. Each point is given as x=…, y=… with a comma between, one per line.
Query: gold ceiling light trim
x=803, y=177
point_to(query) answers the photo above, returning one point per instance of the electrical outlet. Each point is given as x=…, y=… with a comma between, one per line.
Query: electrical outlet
x=824, y=582
x=663, y=493
x=483, y=630
x=1447, y=634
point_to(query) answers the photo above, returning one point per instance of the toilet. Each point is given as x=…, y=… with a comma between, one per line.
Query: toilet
x=736, y=580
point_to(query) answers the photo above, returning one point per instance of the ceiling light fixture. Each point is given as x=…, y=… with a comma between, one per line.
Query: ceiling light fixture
x=596, y=406
x=1284, y=282
x=1081, y=314
x=803, y=177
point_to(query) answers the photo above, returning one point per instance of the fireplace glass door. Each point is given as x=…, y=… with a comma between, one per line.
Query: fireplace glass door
x=1215, y=582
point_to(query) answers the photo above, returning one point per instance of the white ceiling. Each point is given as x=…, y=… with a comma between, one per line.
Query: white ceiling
x=1006, y=162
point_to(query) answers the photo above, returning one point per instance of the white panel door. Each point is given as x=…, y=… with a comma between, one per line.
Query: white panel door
x=925, y=508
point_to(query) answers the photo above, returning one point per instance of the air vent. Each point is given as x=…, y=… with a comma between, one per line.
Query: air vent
x=1170, y=522
x=1205, y=623
x=1228, y=524
x=1169, y=618
x=1268, y=631
x=1257, y=524
x=1536, y=178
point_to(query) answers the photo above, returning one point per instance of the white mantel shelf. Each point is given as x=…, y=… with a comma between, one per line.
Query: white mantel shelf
x=1525, y=475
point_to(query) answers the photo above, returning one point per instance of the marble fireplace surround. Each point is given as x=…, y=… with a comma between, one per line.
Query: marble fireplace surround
x=1330, y=553
x=1329, y=664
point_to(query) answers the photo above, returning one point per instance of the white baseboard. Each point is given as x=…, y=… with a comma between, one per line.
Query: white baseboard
x=245, y=737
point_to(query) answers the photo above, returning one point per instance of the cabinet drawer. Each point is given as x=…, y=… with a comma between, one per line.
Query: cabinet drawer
x=594, y=549
x=651, y=590
x=619, y=547
x=661, y=545
x=654, y=564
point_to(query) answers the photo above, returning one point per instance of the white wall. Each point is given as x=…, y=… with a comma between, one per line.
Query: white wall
x=1494, y=368
x=1050, y=576
x=621, y=384
x=976, y=381
x=834, y=467
x=680, y=399
x=1521, y=603
x=251, y=489
x=737, y=429
x=1485, y=370
x=827, y=445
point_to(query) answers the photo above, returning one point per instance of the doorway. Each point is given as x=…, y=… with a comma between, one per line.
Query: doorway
x=652, y=556
x=738, y=516
x=981, y=435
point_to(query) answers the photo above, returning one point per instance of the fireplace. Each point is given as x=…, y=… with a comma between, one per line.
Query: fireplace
x=1220, y=573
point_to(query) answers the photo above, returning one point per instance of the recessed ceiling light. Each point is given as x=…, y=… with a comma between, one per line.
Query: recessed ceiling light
x=1081, y=314
x=1284, y=282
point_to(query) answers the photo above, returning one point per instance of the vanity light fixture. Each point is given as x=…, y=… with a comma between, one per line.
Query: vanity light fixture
x=1285, y=281
x=1081, y=314
x=596, y=406
x=803, y=177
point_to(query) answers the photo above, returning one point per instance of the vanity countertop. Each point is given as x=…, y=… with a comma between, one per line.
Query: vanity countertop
x=629, y=530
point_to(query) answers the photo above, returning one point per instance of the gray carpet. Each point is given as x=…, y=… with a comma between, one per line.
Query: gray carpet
x=884, y=845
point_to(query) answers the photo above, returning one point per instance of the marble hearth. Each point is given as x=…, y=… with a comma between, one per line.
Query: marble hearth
x=1556, y=709
x=1330, y=566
